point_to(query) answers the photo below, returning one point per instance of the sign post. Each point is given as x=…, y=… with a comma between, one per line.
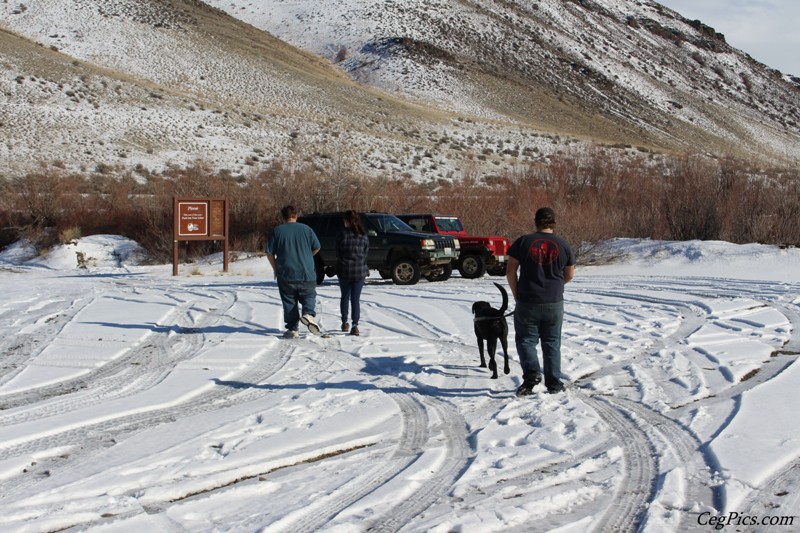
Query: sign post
x=199, y=219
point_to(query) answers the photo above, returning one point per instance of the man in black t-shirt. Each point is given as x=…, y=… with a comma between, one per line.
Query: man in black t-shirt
x=545, y=263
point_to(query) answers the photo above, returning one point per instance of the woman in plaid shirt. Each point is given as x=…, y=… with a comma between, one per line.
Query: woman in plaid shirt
x=352, y=245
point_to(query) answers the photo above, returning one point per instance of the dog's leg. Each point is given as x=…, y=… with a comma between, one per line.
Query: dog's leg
x=504, y=342
x=480, y=350
x=491, y=347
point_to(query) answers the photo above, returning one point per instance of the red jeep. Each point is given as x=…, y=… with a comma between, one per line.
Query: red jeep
x=479, y=255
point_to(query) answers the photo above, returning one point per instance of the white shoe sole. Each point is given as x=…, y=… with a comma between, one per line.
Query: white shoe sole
x=308, y=321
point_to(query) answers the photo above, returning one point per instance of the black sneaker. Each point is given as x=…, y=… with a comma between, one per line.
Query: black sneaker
x=526, y=389
x=557, y=389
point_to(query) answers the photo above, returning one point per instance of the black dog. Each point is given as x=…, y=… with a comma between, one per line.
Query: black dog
x=491, y=325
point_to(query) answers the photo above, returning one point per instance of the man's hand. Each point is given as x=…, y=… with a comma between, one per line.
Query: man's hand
x=271, y=259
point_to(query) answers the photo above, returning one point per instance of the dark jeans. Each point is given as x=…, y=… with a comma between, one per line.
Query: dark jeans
x=535, y=322
x=296, y=294
x=351, y=297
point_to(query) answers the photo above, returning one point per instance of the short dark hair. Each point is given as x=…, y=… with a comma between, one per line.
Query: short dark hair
x=288, y=212
x=545, y=218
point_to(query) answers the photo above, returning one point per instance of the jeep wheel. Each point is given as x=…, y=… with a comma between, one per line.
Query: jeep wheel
x=447, y=271
x=472, y=266
x=405, y=272
x=497, y=270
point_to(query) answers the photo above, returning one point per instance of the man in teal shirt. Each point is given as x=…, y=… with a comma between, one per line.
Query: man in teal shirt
x=290, y=250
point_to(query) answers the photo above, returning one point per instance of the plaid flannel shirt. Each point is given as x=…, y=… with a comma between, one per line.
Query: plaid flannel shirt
x=351, y=255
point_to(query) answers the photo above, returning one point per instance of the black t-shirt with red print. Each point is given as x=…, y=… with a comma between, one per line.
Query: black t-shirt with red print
x=543, y=258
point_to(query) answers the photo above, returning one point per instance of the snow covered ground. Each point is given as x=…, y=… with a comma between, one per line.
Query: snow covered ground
x=132, y=400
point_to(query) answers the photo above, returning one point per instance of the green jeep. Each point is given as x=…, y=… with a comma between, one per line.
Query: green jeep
x=396, y=250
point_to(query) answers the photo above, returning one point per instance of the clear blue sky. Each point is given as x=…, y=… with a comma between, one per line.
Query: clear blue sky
x=768, y=30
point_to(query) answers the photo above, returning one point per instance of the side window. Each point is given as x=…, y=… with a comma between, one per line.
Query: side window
x=449, y=224
x=369, y=224
x=418, y=223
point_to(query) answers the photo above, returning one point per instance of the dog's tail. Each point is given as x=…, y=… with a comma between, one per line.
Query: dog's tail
x=505, y=298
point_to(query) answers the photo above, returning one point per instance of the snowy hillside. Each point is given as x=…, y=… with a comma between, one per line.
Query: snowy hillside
x=403, y=88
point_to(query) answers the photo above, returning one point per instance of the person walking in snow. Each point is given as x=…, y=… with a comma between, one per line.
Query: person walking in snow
x=545, y=263
x=291, y=247
x=352, y=246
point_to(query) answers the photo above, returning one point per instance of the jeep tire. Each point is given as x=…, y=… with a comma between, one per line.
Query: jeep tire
x=472, y=266
x=405, y=272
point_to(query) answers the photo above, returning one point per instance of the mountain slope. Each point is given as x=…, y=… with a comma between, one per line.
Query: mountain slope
x=401, y=88
x=607, y=69
x=171, y=81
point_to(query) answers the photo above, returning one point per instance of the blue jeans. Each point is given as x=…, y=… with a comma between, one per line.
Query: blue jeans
x=296, y=294
x=532, y=323
x=351, y=297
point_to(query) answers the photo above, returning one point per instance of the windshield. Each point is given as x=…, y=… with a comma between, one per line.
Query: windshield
x=387, y=223
x=449, y=224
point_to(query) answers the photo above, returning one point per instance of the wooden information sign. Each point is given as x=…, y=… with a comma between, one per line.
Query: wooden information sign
x=200, y=219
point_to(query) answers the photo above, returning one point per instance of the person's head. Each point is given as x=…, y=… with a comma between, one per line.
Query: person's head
x=545, y=218
x=289, y=212
x=352, y=220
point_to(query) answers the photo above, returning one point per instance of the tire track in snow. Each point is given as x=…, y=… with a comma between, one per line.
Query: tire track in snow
x=779, y=492
x=697, y=467
x=641, y=432
x=701, y=492
x=414, y=435
x=90, y=437
x=636, y=489
x=154, y=348
x=792, y=313
x=777, y=497
x=84, y=442
x=42, y=325
x=692, y=318
x=450, y=432
x=140, y=368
